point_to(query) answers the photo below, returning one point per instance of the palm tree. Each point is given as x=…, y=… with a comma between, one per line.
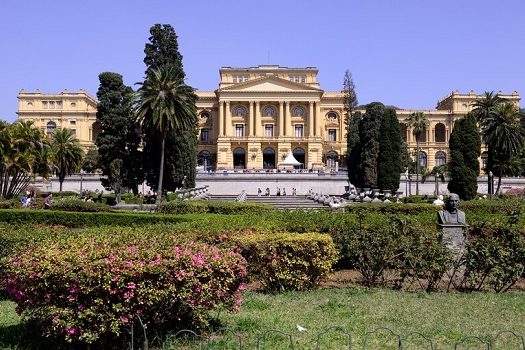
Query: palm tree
x=165, y=104
x=485, y=110
x=23, y=154
x=67, y=153
x=502, y=132
x=418, y=122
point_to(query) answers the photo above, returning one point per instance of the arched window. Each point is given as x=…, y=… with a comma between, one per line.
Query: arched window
x=423, y=135
x=239, y=111
x=331, y=159
x=331, y=116
x=269, y=158
x=423, y=159
x=299, y=154
x=269, y=111
x=403, y=131
x=204, y=160
x=96, y=128
x=440, y=132
x=205, y=115
x=298, y=111
x=441, y=158
x=239, y=158
x=50, y=128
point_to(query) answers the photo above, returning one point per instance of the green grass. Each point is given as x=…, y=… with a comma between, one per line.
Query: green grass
x=446, y=318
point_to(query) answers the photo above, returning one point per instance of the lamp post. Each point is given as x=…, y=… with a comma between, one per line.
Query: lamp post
x=406, y=183
x=490, y=183
x=81, y=180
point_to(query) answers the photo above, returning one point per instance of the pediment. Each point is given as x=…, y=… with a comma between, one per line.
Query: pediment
x=270, y=84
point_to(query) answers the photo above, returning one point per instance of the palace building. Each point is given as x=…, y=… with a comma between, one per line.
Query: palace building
x=259, y=115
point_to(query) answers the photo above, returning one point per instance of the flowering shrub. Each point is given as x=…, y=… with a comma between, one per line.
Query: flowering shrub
x=285, y=261
x=90, y=289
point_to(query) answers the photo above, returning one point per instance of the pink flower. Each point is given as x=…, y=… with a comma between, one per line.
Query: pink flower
x=71, y=330
x=132, y=285
x=56, y=320
x=241, y=287
x=124, y=319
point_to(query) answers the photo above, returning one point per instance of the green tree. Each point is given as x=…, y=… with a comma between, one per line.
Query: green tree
x=502, y=132
x=180, y=145
x=165, y=105
x=389, y=164
x=484, y=110
x=465, y=149
x=352, y=126
x=24, y=153
x=353, y=153
x=91, y=161
x=120, y=136
x=67, y=153
x=418, y=122
x=369, y=137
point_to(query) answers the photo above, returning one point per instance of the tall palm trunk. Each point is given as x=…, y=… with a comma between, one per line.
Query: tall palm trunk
x=161, y=174
x=417, y=166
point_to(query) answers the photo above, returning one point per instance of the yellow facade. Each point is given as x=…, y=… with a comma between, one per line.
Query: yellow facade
x=71, y=110
x=258, y=115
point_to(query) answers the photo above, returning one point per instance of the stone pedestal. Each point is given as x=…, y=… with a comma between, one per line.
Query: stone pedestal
x=454, y=236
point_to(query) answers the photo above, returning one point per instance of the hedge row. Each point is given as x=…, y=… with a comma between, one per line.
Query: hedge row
x=83, y=219
x=212, y=207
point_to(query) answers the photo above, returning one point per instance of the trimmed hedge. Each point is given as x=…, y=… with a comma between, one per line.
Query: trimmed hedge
x=89, y=290
x=78, y=205
x=212, y=207
x=283, y=261
x=74, y=219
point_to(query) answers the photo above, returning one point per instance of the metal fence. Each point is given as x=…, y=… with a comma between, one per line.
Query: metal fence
x=329, y=339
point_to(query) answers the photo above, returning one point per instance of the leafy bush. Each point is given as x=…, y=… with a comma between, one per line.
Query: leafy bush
x=213, y=207
x=10, y=203
x=89, y=290
x=284, y=261
x=495, y=256
x=78, y=205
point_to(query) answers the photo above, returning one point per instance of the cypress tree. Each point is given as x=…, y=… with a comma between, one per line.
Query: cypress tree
x=369, y=135
x=120, y=135
x=465, y=149
x=353, y=156
x=389, y=160
x=181, y=147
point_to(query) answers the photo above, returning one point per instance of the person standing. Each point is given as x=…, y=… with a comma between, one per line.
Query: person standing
x=47, y=201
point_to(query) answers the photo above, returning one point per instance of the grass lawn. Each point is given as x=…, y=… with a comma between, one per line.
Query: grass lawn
x=444, y=318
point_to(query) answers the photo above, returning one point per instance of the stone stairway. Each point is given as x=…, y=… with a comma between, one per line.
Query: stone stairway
x=279, y=202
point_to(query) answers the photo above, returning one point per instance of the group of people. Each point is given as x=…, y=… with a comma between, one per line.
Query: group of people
x=29, y=200
x=278, y=193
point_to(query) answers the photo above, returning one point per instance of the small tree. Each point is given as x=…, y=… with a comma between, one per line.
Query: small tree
x=67, y=153
x=418, y=122
x=465, y=149
x=389, y=160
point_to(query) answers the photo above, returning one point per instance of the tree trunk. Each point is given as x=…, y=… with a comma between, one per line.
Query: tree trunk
x=499, y=181
x=161, y=174
x=60, y=181
x=417, y=166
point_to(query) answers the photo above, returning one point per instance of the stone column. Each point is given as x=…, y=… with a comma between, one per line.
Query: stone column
x=318, y=118
x=288, y=118
x=257, y=125
x=281, y=119
x=251, y=118
x=311, y=119
x=228, y=120
x=221, y=118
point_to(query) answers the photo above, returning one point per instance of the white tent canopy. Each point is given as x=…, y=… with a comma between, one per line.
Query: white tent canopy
x=290, y=161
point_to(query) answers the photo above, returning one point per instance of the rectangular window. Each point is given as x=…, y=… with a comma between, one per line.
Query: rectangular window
x=268, y=130
x=72, y=122
x=298, y=130
x=332, y=135
x=204, y=135
x=44, y=104
x=59, y=104
x=239, y=130
x=51, y=104
x=297, y=78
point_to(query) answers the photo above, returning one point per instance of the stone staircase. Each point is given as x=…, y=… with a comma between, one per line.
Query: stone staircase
x=279, y=202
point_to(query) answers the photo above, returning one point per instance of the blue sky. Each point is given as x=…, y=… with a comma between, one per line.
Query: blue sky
x=407, y=53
